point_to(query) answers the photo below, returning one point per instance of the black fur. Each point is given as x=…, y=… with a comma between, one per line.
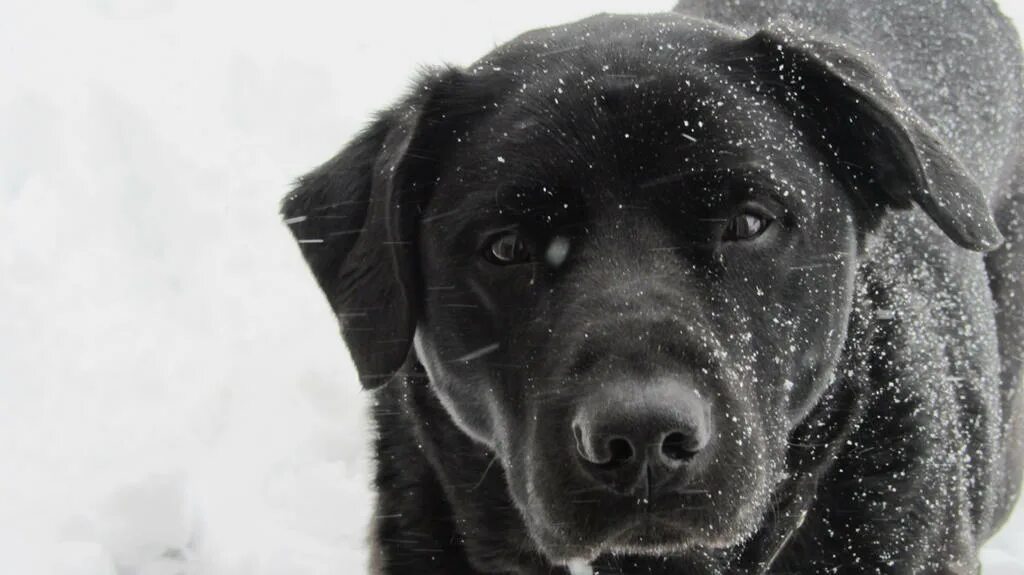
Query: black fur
x=862, y=418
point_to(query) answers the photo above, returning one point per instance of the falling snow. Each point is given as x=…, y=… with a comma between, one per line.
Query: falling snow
x=173, y=396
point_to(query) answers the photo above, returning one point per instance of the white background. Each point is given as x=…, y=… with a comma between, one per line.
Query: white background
x=174, y=397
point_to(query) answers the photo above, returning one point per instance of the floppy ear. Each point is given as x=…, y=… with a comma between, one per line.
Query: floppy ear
x=355, y=219
x=875, y=142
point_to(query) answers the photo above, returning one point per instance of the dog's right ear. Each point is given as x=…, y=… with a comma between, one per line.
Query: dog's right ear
x=355, y=219
x=886, y=153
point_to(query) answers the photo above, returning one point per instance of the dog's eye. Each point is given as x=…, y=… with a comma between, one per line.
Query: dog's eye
x=746, y=226
x=507, y=248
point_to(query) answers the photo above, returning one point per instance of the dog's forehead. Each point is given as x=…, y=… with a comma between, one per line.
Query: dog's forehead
x=635, y=108
x=632, y=127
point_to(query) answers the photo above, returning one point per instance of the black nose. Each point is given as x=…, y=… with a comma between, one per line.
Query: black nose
x=637, y=436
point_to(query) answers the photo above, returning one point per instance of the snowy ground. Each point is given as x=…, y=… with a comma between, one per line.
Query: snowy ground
x=173, y=394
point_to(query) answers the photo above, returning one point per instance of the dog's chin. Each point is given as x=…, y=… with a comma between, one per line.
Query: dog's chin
x=647, y=534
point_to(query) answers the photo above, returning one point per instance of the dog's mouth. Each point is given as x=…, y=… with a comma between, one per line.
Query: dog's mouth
x=648, y=535
x=668, y=525
x=645, y=536
x=648, y=469
x=716, y=509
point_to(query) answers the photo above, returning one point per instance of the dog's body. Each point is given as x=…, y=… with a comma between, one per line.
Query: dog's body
x=709, y=231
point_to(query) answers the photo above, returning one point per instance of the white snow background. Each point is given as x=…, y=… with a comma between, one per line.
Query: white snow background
x=174, y=395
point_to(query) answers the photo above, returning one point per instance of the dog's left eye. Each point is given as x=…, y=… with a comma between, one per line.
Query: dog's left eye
x=506, y=249
x=746, y=226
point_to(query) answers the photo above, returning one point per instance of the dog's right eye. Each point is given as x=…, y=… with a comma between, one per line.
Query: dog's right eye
x=507, y=249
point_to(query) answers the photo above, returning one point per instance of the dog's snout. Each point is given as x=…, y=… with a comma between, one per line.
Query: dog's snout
x=626, y=431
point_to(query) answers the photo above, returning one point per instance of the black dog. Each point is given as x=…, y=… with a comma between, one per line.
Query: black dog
x=692, y=293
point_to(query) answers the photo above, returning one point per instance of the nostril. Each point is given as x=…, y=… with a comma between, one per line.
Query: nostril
x=679, y=447
x=620, y=451
x=603, y=451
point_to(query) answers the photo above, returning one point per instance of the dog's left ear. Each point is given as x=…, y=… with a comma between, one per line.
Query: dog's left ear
x=876, y=143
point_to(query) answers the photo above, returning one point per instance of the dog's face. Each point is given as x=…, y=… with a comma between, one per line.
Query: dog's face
x=647, y=234
x=625, y=252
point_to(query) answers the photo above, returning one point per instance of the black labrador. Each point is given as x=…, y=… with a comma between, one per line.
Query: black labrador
x=714, y=291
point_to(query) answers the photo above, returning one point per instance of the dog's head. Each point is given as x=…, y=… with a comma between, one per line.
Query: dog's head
x=625, y=252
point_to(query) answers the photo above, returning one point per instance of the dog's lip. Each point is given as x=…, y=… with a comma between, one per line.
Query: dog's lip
x=645, y=528
x=665, y=500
